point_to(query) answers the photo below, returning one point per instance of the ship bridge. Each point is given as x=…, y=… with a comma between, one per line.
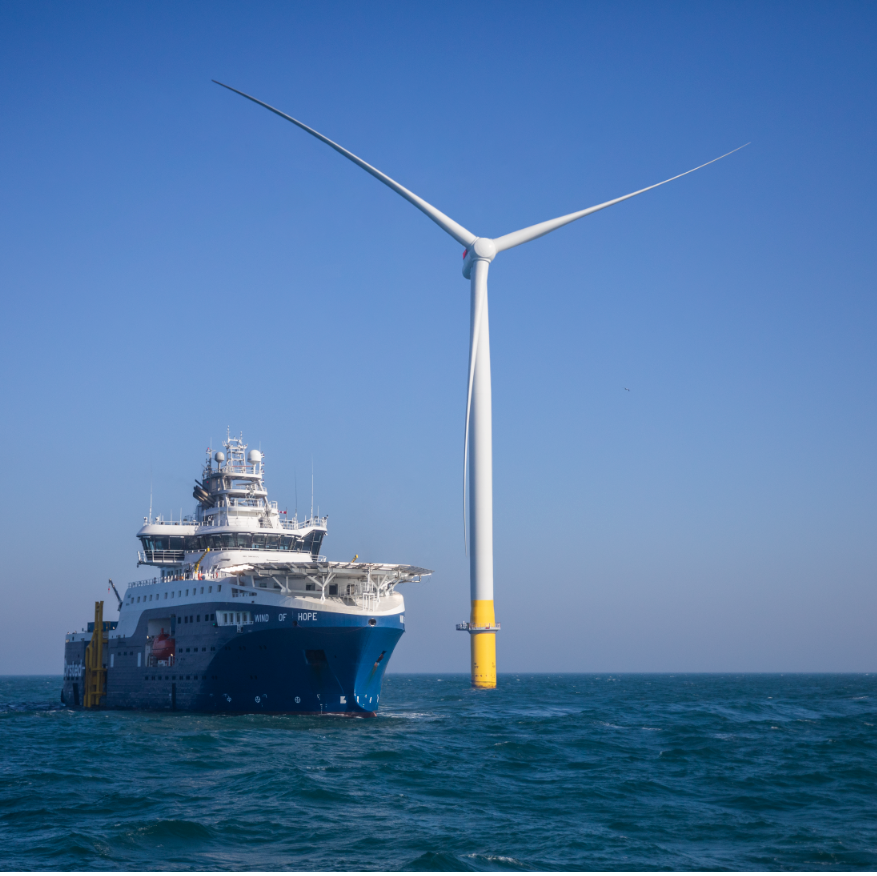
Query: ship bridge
x=233, y=519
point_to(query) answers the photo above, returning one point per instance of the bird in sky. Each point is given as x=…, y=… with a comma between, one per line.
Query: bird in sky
x=626, y=389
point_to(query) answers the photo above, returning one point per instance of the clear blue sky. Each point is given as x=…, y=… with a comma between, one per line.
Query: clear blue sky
x=175, y=260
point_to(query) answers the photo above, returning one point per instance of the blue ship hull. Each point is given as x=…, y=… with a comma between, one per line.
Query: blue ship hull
x=329, y=662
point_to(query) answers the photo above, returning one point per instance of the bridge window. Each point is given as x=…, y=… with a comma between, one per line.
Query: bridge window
x=155, y=543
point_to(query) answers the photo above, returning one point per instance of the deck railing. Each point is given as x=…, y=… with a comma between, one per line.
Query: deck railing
x=304, y=524
x=159, y=521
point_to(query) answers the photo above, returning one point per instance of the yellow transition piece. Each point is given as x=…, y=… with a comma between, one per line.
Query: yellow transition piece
x=483, y=644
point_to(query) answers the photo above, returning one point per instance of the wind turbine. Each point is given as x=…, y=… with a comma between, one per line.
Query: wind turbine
x=479, y=252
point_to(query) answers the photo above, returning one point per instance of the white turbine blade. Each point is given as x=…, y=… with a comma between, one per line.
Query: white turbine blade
x=457, y=231
x=525, y=235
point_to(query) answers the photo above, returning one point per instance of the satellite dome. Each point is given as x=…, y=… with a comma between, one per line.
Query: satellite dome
x=254, y=456
x=219, y=456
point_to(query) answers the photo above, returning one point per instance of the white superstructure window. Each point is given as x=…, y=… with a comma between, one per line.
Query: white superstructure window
x=233, y=618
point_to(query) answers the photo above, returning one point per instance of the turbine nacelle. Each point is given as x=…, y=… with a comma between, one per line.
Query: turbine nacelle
x=483, y=249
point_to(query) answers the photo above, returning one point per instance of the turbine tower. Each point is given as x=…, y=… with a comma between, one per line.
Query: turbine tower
x=478, y=253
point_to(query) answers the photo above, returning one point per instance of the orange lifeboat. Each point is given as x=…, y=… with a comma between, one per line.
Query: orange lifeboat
x=163, y=647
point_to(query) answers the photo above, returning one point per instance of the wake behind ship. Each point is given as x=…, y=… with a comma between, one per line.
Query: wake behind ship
x=245, y=615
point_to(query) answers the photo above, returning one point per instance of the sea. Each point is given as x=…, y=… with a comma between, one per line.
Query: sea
x=547, y=772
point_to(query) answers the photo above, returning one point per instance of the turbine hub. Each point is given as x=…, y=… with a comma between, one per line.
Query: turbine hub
x=482, y=250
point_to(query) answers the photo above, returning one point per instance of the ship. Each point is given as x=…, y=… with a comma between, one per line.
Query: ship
x=244, y=615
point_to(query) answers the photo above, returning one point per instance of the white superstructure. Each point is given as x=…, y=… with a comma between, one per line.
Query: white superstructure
x=239, y=546
x=234, y=523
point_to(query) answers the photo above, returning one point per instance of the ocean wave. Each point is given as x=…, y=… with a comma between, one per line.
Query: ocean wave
x=559, y=772
x=444, y=862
